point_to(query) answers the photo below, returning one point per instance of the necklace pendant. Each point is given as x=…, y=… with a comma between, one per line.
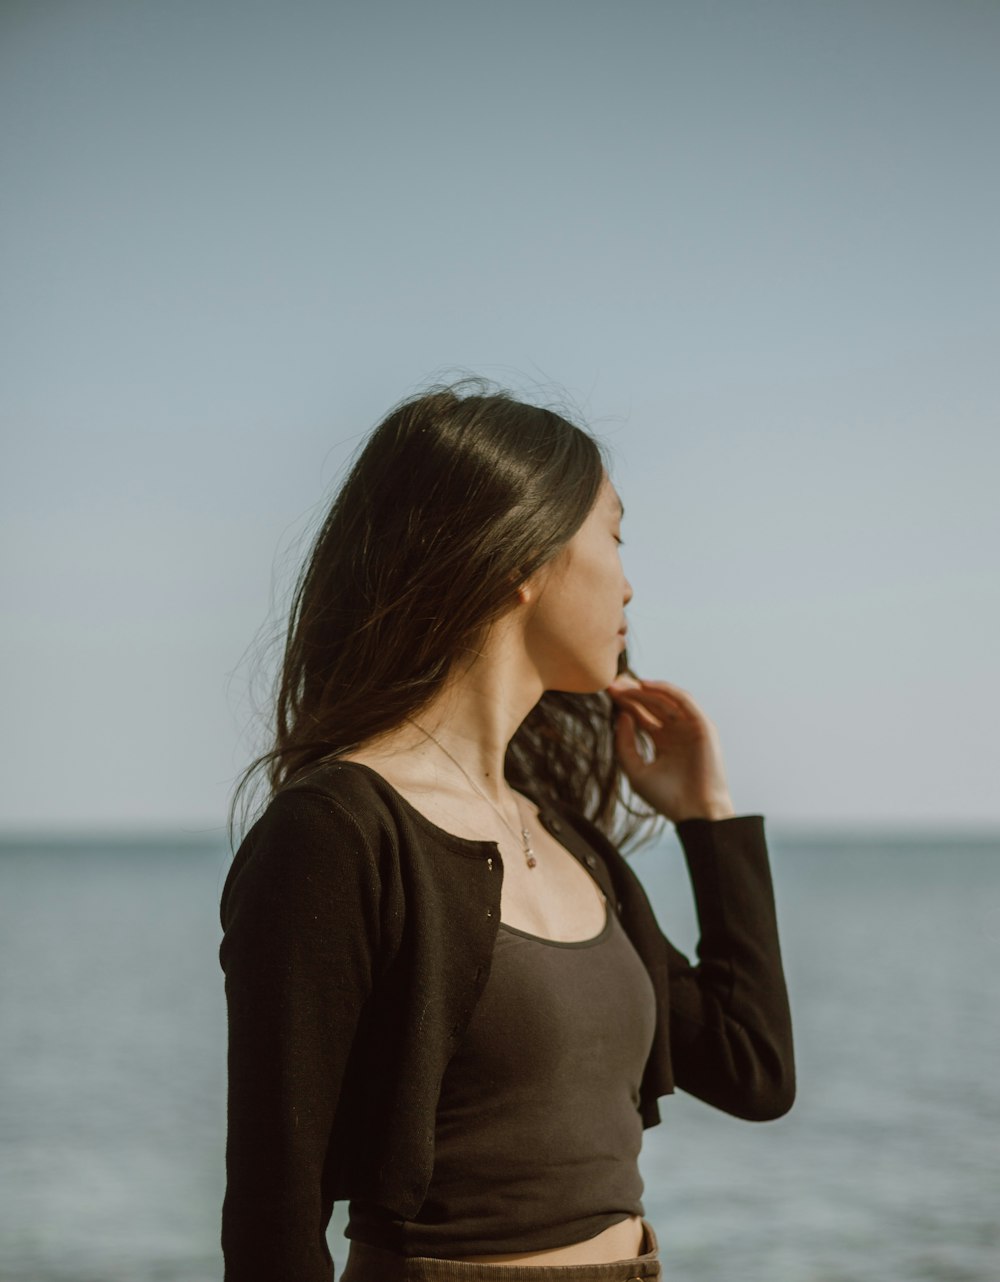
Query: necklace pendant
x=529, y=854
x=532, y=861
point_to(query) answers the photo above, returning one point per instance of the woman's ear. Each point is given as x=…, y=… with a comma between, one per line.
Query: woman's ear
x=530, y=587
x=519, y=586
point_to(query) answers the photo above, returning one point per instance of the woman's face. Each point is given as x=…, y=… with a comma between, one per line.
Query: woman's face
x=573, y=633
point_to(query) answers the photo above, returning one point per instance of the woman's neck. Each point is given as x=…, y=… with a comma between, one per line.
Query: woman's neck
x=467, y=727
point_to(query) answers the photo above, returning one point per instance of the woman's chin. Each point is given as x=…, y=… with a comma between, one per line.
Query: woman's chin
x=591, y=684
x=594, y=678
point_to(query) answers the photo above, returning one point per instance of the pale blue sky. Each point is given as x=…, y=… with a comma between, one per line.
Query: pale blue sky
x=754, y=244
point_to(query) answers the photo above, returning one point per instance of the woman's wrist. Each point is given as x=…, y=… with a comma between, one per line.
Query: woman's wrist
x=721, y=809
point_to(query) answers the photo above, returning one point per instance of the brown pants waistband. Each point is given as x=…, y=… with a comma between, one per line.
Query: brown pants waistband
x=372, y=1264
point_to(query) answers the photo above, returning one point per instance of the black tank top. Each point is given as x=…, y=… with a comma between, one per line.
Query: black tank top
x=537, y=1132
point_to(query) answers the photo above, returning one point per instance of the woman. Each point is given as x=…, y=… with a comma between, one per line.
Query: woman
x=449, y=1001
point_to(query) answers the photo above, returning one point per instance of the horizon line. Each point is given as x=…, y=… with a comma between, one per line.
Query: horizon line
x=782, y=828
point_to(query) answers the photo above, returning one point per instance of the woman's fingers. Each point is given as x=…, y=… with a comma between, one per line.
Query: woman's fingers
x=675, y=692
x=648, y=701
x=668, y=700
x=641, y=714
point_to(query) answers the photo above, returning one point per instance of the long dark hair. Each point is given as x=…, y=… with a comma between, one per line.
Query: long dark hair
x=455, y=498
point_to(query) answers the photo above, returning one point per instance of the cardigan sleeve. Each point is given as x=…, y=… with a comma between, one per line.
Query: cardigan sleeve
x=300, y=915
x=730, y=1022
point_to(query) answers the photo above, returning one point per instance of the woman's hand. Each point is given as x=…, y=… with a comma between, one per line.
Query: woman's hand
x=685, y=779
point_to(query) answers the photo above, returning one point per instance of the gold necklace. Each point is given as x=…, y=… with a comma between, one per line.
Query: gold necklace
x=529, y=854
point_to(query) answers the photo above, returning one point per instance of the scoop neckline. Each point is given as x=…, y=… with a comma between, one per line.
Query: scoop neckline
x=567, y=943
x=471, y=843
x=467, y=843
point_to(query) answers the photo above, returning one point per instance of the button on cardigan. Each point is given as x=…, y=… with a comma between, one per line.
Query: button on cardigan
x=357, y=939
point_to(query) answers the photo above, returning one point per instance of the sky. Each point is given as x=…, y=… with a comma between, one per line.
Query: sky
x=754, y=245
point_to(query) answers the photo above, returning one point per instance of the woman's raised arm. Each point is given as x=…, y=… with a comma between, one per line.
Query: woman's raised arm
x=730, y=1022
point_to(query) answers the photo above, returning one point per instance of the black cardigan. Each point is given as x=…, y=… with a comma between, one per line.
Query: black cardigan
x=357, y=939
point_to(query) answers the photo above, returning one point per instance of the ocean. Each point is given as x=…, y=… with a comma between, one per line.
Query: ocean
x=112, y=1063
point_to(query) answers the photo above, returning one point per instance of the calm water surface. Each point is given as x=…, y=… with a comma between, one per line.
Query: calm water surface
x=112, y=1059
